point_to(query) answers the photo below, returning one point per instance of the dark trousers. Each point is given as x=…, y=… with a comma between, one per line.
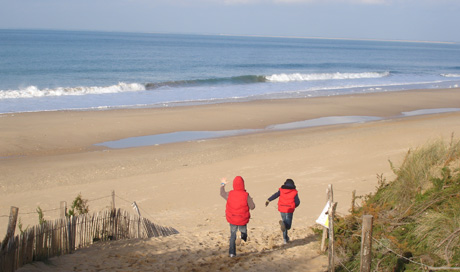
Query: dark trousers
x=287, y=219
x=233, y=229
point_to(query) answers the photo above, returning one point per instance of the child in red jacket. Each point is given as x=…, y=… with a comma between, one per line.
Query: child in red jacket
x=237, y=210
x=287, y=202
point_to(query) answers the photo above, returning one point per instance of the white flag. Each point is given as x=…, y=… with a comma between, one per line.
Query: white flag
x=323, y=218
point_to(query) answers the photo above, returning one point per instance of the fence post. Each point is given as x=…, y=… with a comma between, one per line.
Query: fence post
x=366, y=244
x=353, y=200
x=113, y=201
x=330, y=199
x=134, y=204
x=11, y=226
x=113, y=217
x=331, y=215
x=63, y=209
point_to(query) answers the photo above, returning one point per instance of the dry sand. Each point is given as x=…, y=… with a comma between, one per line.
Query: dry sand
x=49, y=157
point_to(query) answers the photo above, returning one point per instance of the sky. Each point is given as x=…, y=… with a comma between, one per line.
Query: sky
x=421, y=20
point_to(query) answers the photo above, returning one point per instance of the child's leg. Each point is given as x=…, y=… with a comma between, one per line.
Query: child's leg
x=232, y=247
x=244, y=232
x=288, y=220
x=286, y=223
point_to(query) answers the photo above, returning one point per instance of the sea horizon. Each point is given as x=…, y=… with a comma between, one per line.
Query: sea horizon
x=238, y=35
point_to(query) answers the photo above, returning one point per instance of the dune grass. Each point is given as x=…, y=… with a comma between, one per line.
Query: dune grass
x=416, y=215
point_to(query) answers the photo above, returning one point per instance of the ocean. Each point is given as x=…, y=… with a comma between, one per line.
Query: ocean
x=49, y=70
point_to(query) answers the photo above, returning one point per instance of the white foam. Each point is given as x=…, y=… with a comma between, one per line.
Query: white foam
x=33, y=91
x=450, y=75
x=324, y=76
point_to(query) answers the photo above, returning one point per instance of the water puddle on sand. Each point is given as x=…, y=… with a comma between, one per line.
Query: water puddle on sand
x=184, y=136
x=429, y=111
x=174, y=137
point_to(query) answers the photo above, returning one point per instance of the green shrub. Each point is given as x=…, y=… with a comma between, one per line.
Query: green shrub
x=41, y=216
x=79, y=206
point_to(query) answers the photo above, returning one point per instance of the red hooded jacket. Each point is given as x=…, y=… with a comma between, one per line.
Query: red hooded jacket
x=237, y=210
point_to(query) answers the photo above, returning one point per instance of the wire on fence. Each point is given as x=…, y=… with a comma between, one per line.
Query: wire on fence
x=56, y=209
x=414, y=262
x=89, y=200
x=345, y=191
x=123, y=199
x=343, y=265
x=49, y=210
x=142, y=209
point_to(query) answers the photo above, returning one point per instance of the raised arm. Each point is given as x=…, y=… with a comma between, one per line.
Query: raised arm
x=223, y=193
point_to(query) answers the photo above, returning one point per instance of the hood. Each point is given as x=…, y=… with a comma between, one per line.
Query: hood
x=288, y=184
x=238, y=184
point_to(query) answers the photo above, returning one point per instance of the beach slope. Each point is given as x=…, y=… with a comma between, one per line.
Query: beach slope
x=49, y=157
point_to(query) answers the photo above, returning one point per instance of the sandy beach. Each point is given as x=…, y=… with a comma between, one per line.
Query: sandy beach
x=49, y=157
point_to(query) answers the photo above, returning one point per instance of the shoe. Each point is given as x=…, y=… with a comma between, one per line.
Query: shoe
x=244, y=236
x=286, y=240
x=283, y=227
x=232, y=255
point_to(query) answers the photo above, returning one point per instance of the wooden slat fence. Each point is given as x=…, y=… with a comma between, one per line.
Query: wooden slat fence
x=65, y=235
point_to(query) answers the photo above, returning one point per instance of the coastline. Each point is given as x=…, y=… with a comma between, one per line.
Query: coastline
x=48, y=157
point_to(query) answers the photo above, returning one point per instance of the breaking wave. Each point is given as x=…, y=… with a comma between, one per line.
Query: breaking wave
x=450, y=75
x=249, y=79
x=324, y=76
x=34, y=92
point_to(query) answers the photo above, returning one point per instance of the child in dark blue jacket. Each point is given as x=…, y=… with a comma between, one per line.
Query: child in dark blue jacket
x=288, y=201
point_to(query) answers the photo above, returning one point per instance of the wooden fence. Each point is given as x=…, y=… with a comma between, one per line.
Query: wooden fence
x=65, y=235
